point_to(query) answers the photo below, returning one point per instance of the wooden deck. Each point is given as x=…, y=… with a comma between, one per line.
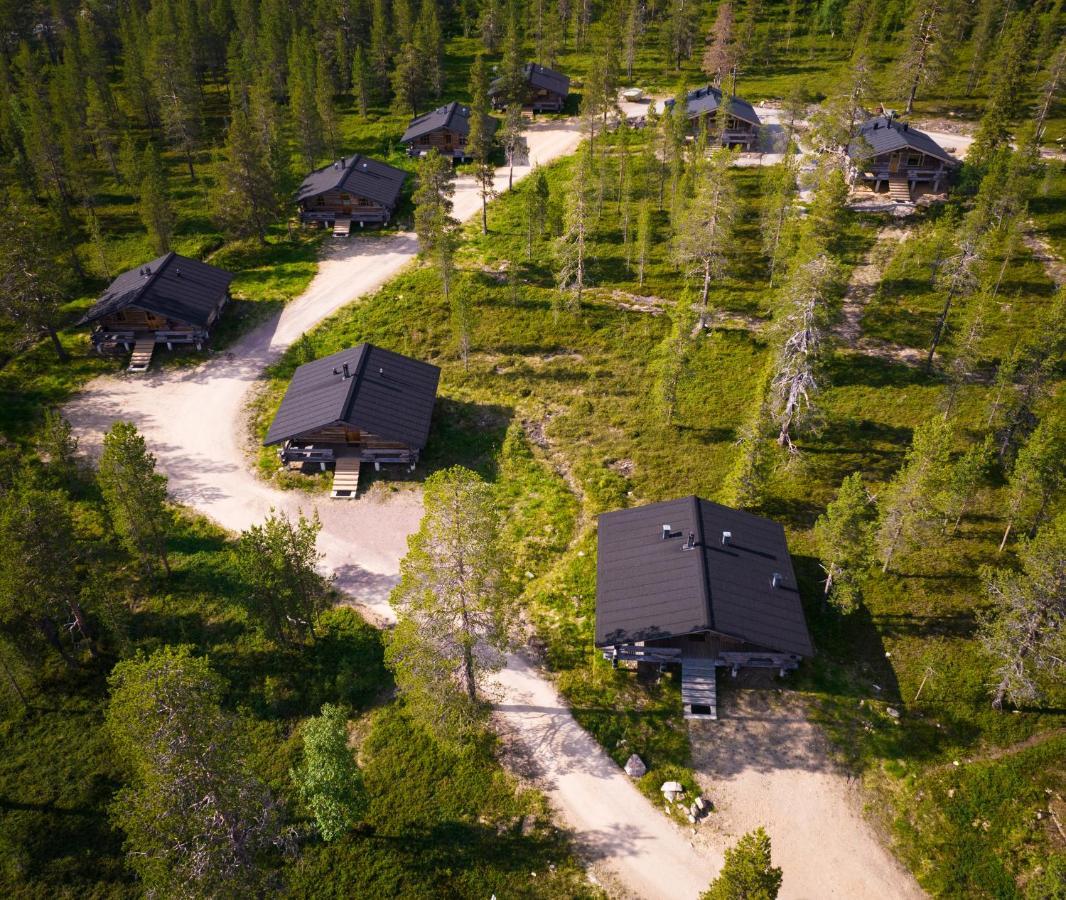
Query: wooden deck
x=699, y=687
x=142, y=354
x=346, y=478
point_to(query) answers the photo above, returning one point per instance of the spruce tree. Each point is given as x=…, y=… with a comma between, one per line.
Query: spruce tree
x=748, y=873
x=360, y=81
x=156, y=212
x=135, y=494
x=843, y=533
x=429, y=38
x=303, y=105
x=245, y=198
x=174, y=82
x=438, y=235
x=479, y=143
x=1038, y=478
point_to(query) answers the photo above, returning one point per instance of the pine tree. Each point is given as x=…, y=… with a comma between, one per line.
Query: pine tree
x=135, y=494
x=572, y=245
x=438, y=236
x=197, y=821
x=675, y=351
x=908, y=506
x=1024, y=630
x=513, y=141
x=800, y=325
x=32, y=283
x=174, y=82
x=927, y=48
x=843, y=533
x=328, y=780
x=1038, y=478
x=279, y=562
x=38, y=570
x=453, y=603
x=720, y=57
x=748, y=873
x=306, y=120
x=479, y=140
x=644, y=238
x=58, y=448
x=380, y=51
x=964, y=479
x=779, y=209
x=959, y=278
x=745, y=485
x=536, y=209
x=156, y=212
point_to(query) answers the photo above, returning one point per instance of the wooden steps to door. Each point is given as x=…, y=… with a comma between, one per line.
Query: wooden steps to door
x=342, y=227
x=699, y=688
x=899, y=189
x=346, y=478
x=142, y=354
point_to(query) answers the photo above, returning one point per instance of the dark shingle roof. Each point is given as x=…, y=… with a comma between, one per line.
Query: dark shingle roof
x=453, y=117
x=358, y=175
x=541, y=77
x=388, y=395
x=706, y=100
x=649, y=588
x=883, y=134
x=176, y=287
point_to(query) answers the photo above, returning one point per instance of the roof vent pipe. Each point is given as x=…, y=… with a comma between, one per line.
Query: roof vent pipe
x=343, y=371
x=667, y=531
x=776, y=579
x=727, y=538
x=690, y=543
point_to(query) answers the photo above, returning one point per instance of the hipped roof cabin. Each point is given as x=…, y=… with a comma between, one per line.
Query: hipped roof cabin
x=546, y=89
x=445, y=130
x=360, y=405
x=889, y=153
x=693, y=582
x=741, y=126
x=353, y=189
x=171, y=300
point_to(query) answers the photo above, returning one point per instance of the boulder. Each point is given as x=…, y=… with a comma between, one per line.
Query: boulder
x=701, y=804
x=635, y=767
x=674, y=786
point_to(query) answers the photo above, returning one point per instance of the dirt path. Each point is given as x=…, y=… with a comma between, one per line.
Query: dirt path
x=861, y=288
x=193, y=421
x=1053, y=264
x=763, y=763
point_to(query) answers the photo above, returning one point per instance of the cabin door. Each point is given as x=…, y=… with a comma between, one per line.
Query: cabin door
x=346, y=204
x=893, y=164
x=352, y=436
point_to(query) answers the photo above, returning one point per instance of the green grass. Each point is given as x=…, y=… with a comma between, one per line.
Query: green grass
x=587, y=380
x=439, y=821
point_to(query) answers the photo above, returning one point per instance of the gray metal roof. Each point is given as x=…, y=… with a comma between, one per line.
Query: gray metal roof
x=883, y=134
x=707, y=99
x=358, y=175
x=175, y=287
x=649, y=588
x=387, y=394
x=454, y=117
x=540, y=77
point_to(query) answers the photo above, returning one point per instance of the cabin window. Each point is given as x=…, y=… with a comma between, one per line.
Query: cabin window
x=346, y=197
x=320, y=200
x=120, y=316
x=914, y=159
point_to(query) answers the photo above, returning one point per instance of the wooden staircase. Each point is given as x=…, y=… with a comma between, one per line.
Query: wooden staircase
x=342, y=227
x=142, y=354
x=699, y=688
x=899, y=189
x=346, y=478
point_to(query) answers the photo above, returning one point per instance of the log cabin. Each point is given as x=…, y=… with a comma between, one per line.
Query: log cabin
x=741, y=126
x=170, y=300
x=360, y=405
x=696, y=584
x=546, y=89
x=889, y=154
x=355, y=189
x=444, y=130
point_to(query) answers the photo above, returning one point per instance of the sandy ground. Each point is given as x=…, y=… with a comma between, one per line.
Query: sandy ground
x=763, y=763
x=193, y=420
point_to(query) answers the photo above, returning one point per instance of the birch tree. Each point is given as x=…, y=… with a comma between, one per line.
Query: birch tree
x=135, y=494
x=328, y=780
x=843, y=533
x=706, y=227
x=1025, y=631
x=279, y=562
x=907, y=506
x=198, y=822
x=454, y=604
